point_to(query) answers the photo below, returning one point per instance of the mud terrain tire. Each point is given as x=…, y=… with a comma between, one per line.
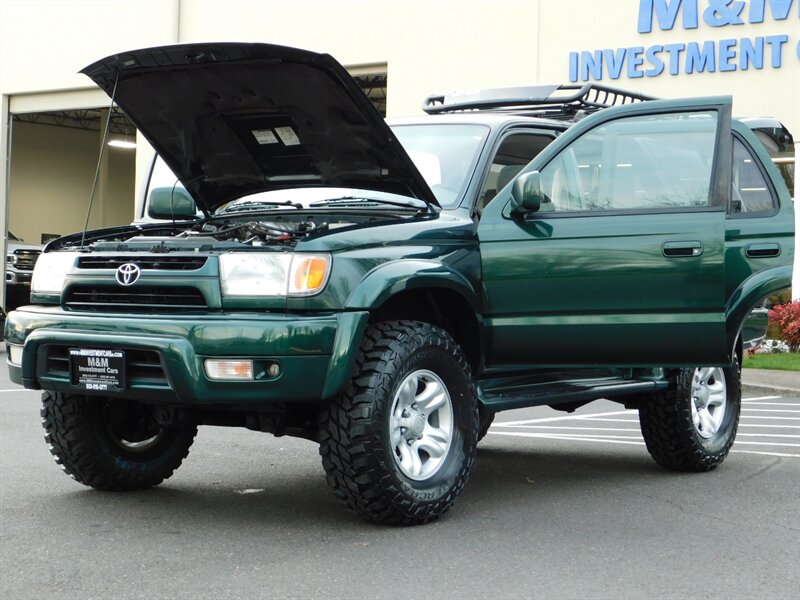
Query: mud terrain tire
x=112, y=445
x=411, y=373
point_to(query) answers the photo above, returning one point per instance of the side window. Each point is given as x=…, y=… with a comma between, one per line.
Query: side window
x=751, y=194
x=515, y=151
x=637, y=163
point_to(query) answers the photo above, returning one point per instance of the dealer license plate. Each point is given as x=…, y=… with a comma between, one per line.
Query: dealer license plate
x=97, y=370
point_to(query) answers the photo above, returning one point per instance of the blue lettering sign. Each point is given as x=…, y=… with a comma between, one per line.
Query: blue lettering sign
x=776, y=42
x=751, y=51
x=674, y=51
x=779, y=8
x=698, y=60
x=727, y=53
x=573, y=66
x=723, y=12
x=655, y=60
x=666, y=12
x=708, y=56
x=592, y=63
x=614, y=61
x=635, y=60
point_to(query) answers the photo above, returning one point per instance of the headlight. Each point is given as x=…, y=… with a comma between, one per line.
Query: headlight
x=273, y=274
x=50, y=271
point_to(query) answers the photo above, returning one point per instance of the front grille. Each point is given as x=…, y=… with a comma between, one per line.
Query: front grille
x=136, y=298
x=25, y=260
x=165, y=263
x=140, y=365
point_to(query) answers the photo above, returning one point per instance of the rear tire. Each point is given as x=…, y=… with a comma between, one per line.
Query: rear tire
x=692, y=425
x=399, y=444
x=112, y=445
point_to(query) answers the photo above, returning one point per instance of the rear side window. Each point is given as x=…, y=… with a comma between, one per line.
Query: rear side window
x=649, y=162
x=751, y=195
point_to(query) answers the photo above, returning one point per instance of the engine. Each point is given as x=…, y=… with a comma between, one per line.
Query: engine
x=260, y=233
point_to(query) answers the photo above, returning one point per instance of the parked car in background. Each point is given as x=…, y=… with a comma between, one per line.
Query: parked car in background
x=20, y=260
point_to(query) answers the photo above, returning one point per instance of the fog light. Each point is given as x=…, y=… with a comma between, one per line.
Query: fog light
x=219, y=368
x=273, y=370
x=15, y=355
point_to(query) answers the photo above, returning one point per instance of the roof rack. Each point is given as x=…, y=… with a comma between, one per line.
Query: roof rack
x=553, y=101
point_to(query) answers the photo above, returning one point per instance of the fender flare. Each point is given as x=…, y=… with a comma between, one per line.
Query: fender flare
x=748, y=294
x=394, y=277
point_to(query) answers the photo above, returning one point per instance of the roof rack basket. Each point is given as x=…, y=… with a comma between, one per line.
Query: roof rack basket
x=553, y=101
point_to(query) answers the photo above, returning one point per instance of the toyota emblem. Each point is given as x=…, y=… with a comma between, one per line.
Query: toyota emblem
x=128, y=274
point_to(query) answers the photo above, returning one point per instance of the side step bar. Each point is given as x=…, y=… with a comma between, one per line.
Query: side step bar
x=506, y=395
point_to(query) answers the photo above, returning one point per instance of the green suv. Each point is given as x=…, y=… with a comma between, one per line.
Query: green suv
x=384, y=290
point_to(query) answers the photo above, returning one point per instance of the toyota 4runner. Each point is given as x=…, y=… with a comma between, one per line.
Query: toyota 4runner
x=384, y=290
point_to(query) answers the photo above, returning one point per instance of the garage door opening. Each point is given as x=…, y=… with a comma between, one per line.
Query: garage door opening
x=53, y=161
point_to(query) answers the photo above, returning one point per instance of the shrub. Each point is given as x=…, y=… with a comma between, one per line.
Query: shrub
x=786, y=318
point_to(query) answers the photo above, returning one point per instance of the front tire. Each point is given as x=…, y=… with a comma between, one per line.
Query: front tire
x=399, y=444
x=112, y=445
x=691, y=426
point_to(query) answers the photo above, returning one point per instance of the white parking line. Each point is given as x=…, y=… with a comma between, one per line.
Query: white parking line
x=564, y=427
x=770, y=426
x=772, y=410
x=570, y=417
x=612, y=420
x=597, y=428
x=773, y=418
x=768, y=444
x=19, y=390
x=769, y=435
x=767, y=453
x=574, y=438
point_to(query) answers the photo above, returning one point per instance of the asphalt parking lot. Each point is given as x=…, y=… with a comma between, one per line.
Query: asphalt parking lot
x=558, y=506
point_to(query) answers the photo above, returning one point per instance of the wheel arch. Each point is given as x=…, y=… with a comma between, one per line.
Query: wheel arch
x=426, y=291
x=745, y=298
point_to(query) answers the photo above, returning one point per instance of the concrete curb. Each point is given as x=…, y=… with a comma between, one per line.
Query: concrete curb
x=749, y=389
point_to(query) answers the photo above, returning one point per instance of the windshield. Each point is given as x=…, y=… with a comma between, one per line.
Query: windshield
x=162, y=177
x=445, y=155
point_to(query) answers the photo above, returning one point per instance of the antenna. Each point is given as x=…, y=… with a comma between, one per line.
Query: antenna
x=99, y=161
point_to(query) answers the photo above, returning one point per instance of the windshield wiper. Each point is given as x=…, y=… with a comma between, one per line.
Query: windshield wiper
x=257, y=204
x=360, y=202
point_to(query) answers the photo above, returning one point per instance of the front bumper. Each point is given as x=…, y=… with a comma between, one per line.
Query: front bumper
x=316, y=352
x=18, y=277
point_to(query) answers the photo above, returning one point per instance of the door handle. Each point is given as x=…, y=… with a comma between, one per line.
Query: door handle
x=762, y=250
x=682, y=248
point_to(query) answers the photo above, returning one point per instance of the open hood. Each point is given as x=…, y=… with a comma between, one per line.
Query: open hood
x=232, y=119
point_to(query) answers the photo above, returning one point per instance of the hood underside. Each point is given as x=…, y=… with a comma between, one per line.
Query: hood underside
x=233, y=119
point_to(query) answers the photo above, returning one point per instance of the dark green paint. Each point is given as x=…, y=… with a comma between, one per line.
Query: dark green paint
x=312, y=350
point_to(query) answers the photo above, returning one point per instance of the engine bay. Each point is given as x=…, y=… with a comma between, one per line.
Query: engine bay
x=230, y=231
x=262, y=232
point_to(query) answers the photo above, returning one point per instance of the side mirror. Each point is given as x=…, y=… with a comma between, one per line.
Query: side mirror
x=170, y=203
x=526, y=194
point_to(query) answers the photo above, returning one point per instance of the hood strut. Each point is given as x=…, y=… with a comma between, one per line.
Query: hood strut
x=99, y=161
